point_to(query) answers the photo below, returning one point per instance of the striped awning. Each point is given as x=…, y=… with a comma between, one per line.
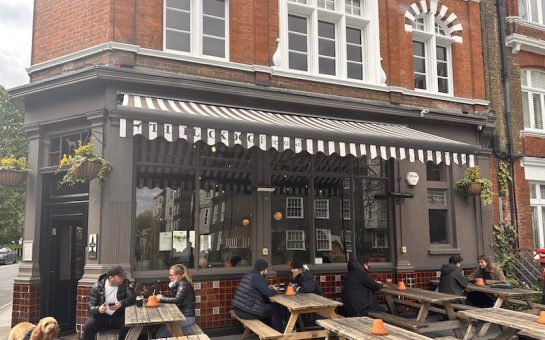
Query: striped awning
x=173, y=119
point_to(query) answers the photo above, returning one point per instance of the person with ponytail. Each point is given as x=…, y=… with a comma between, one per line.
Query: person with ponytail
x=182, y=294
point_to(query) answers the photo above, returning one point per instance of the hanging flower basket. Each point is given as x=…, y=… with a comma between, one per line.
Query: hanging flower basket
x=11, y=178
x=474, y=189
x=88, y=170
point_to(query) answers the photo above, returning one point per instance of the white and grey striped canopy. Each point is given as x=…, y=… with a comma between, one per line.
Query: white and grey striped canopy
x=172, y=119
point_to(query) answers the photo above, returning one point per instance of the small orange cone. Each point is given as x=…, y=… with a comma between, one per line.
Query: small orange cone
x=479, y=282
x=152, y=301
x=290, y=291
x=541, y=318
x=378, y=327
x=401, y=285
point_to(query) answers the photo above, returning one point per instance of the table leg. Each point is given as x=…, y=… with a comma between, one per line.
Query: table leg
x=486, y=326
x=529, y=301
x=451, y=314
x=390, y=303
x=301, y=323
x=291, y=322
x=423, y=312
x=469, y=331
x=174, y=329
x=507, y=334
x=134, y=332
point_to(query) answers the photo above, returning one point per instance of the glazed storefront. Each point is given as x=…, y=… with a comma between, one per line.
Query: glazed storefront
x=218, y=186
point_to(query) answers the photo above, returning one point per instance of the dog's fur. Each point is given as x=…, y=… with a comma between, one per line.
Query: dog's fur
x=46, y=329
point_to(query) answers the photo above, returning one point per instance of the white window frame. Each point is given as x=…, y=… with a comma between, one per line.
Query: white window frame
x=367, y=21
x=299, y=206
x=196, y=31
x=323, y=209
x=347, y=239
x=431, y=40
x=295, y=244
x=379, y=242
x=528, y=92
x=347, y=182
x=527, y=14
x=537, y=204
x=323, y=239
x=346, y=209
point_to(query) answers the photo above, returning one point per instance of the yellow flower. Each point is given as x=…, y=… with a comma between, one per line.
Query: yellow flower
x=63, y=161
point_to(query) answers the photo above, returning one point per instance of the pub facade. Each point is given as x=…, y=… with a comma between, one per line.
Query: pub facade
x=321, y=130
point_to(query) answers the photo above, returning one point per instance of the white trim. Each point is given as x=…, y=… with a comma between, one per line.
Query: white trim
x=300, y=232
x=532, y=133
x=519, y=21
x=321, y=209
x=521, y=42
x=327, y=233
x=534, y=168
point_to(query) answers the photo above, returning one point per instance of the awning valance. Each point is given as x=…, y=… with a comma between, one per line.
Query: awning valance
x=172, y=119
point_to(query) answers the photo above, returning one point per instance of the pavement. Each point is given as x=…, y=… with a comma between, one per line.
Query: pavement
x=5, y=321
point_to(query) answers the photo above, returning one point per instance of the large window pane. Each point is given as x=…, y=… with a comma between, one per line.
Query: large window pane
x=298, y=42
x=178, y=41
x=214, y=8
x=214, y=27
x=438, y=226
x=214, y=47
x=178, y=20
x=179, y=4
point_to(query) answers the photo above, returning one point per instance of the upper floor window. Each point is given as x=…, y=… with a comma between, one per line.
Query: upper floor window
x=432, y=56
x=196, y=27
x=533, y=98
x=331, y=38
x=532, y=11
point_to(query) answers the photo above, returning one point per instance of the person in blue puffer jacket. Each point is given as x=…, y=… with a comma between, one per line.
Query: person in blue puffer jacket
x=251, y=299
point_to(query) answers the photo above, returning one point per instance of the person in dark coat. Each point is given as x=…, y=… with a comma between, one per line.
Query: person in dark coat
x=302, y=279
x=182, y=294
x=358, y=294
x=452, y=280
x=251, y=299
x=107, y=301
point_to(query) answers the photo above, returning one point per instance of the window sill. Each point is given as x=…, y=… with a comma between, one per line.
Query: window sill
x=444, y=251
x=532, y=133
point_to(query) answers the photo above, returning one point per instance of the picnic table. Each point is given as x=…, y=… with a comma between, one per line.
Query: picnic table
x=136, y=318
x=513, y=322
x=503, y=295
x=302, y=304
x=360, y=328
x=425, y=298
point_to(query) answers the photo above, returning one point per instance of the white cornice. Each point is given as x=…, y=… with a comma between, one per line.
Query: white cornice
x=115, y=46
x=532, y=133
x=532, y=161
x=518, y=20
x=521, y=42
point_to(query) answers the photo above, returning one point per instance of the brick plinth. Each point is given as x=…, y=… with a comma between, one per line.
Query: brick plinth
x=81, y=308
x=26, y=303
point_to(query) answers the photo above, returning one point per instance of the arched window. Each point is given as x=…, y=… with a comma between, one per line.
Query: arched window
x=433, y=35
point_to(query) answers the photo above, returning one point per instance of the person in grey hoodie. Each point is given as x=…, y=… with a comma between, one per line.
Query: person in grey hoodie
x=452, y=280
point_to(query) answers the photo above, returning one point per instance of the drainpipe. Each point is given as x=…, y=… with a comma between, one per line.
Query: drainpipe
x=510, y=153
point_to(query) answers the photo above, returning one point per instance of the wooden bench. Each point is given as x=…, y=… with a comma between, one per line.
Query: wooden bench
x=108, y=334
x=456, y=306
x=193, y=332
x=447, y=338
x=397, y=320
x=258, y=327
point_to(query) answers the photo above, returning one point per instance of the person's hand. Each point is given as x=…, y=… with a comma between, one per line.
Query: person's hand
x=274, y=286
x=115, y=306
x=159, y=296
x=102, y=308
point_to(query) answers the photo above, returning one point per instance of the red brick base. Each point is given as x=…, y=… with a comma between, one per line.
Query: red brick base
x=26, y=303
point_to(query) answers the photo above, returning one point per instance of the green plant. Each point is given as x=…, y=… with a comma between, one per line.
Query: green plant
x=83, y=153
x=504, y=177
x=505, y=242
x=14, y=163
x=473, y=175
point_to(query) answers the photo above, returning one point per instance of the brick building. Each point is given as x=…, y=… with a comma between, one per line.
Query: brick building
x=237, y=129
x=514, y=69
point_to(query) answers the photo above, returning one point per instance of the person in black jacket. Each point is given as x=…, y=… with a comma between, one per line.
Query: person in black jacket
x=251, y=297
x=452, y=280
x=302, y=279
x=358, y=294
x=182, y=294
x=107, y=301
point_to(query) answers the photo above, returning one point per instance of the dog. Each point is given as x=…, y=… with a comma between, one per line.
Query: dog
x=47, y=329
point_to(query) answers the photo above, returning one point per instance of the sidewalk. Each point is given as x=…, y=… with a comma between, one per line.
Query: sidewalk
x=5, y=321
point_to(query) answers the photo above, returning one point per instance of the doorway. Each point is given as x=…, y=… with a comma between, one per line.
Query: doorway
x=67, y=238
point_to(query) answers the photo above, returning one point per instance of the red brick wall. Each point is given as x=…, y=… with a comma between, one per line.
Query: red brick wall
x=524, y=211
x=534, y=146
x=26, y=303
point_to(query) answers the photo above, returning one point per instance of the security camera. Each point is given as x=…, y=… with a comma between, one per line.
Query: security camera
x=424, y=112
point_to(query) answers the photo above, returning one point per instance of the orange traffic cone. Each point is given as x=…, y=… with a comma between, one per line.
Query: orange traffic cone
x=152, y=301
x=401, y=285
x=378, y=327
x=290, y=291
x=541, y=318
x=479, y=282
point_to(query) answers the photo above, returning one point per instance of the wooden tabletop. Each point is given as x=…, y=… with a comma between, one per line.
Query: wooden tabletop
x=144, y=316
x=422, y=294
x=304, y=301
x=360, y=328
x=509, y=318
x=500, y=291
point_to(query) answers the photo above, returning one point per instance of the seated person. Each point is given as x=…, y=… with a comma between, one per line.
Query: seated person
x=181, y=294
x=250, y=300
x=302, y=279
x=489, y=272
x=452, y=280
x=107, y=301
x=358, y=294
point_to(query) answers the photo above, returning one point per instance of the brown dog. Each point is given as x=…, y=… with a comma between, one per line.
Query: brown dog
x=46, y=329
